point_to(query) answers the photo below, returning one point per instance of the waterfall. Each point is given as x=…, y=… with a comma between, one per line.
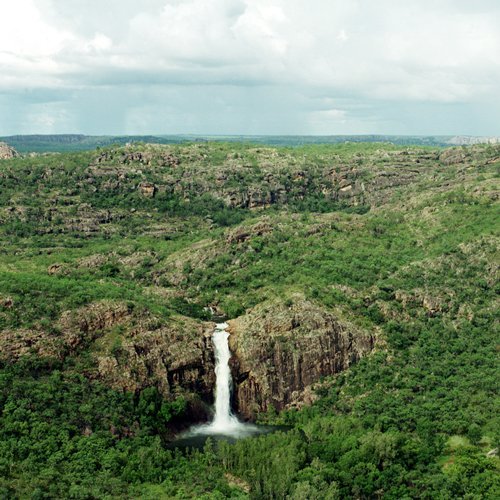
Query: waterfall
x=225, y=422
x=224, y=419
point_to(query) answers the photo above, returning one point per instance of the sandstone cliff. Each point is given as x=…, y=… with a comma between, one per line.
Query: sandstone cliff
x=130, y=349
x=281, y=349
x=7, y=152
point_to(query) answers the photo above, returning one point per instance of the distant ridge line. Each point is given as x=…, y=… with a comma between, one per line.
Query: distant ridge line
x=82, y=142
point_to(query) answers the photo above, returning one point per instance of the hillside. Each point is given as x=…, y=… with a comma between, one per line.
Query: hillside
x=360, y=284
x=79, y=142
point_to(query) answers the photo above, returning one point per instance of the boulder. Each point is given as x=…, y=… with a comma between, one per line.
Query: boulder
x=55, y=269
x=244, y=233
x=147, y=189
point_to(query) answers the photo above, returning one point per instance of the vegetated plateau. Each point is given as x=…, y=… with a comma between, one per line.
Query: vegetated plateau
x=359, y=282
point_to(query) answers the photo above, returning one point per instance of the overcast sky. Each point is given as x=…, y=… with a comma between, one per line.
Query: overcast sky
x=250, y=66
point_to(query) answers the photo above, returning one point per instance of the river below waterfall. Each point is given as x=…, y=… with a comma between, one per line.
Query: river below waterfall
x=225, y=424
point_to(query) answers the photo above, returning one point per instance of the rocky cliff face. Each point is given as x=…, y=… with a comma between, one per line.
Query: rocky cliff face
x=131, y=350
x=6, y=152
x=281, y=349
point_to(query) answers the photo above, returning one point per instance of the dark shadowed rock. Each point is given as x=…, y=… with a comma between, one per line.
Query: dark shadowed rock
x=281, y=349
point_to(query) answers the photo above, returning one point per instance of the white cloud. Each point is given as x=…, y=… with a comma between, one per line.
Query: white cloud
x=98, y=44
x=25, y=33
x=443, y=51
x=342, y=36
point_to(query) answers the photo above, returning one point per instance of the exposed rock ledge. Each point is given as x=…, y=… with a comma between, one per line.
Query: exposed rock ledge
x=281, y=349
x=131, y=349
x=7, y=152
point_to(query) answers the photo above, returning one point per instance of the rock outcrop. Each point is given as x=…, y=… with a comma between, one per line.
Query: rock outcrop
x=132, y=350
x=259, y=178
x=243, y=233
x=176, y=358
x=7, y=152
x=281, y=349
x=452, y=156
x=147, y=189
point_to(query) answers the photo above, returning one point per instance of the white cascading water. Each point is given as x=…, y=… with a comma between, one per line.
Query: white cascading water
x=224, y=422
